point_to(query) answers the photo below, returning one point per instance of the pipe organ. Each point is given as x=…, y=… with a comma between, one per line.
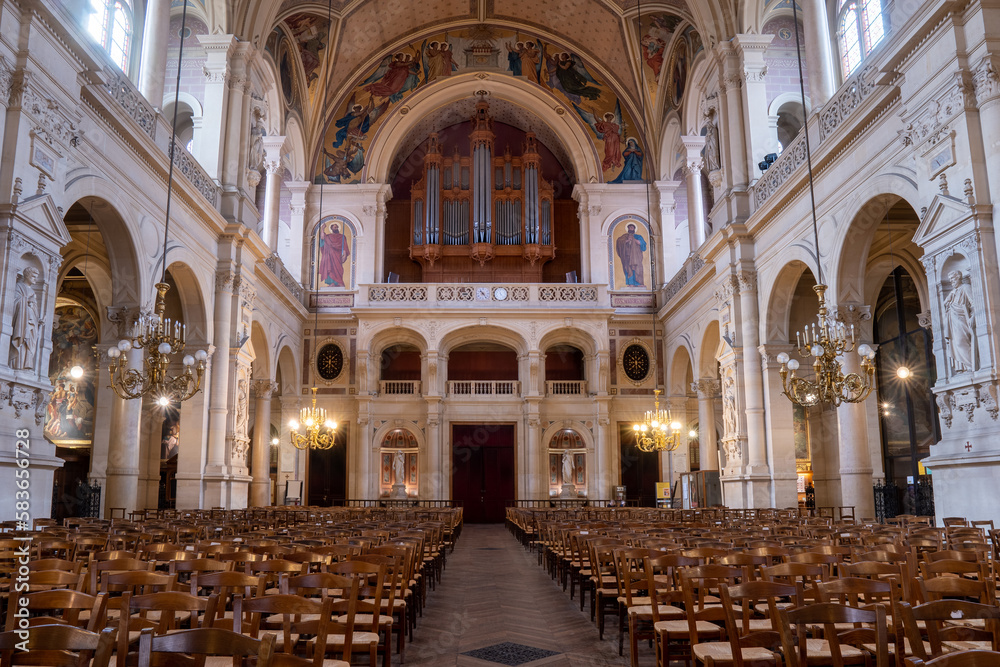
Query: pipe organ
x=482, y=207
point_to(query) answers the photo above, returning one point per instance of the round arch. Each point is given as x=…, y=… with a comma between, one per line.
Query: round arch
x=261, y=350
x=864, y=209
x=575, y=336
x=130, y=283
x=381, y=339
x=287, y=366
x=680, y=367
x=779, y=293
x=192, y=298
x=708, y=366
x=567, y=127
x=478, y=334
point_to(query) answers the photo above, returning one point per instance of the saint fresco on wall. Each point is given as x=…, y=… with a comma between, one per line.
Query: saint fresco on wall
x=69, y=418
x=310, y=32
x=630, y=255
x=656, y=31
x=563, y=72
x=334, y=254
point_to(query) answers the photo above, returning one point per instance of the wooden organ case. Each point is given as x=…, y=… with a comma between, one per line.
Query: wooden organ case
x=483, y=217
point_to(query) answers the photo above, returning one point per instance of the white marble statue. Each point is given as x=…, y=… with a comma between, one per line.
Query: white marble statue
x=567, y=468
x=729, y=407
x=960, y=324
x=26, y=323
x=398, y=465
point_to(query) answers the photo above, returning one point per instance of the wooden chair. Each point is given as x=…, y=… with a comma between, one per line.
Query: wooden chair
x=47, y=580
x=67, y=607
x=293, y=617
x=961, y=659
x=177, y=649
x=836, y=648
x=162, y=612
x=940, y=619
x=746, y=644
x=371, y=579
x=57, y=646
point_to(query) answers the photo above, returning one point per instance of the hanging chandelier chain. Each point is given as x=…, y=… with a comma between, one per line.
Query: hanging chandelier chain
x=173, y=140
x=320, y=431
x=805, y=131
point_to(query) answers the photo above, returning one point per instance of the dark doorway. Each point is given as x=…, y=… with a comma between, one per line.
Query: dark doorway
x=483, y=470
x=640, y=470
x=328, y=473
x=69, y=493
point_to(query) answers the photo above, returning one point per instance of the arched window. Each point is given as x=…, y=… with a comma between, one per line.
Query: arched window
x=860, y=28
x=111, y=26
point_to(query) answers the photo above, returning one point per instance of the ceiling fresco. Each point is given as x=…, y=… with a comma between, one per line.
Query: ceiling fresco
x=563, y=72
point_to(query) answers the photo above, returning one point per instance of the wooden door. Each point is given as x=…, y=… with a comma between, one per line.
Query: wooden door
x=483, y=470
x=327, y=481
x=640, y=470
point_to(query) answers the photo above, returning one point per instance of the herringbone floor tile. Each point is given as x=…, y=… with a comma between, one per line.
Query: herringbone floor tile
x=493, y=591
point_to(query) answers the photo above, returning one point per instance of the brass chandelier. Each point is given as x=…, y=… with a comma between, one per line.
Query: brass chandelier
x=157, y=336
x=320, y=431
x=657, y=432
x=824, y=341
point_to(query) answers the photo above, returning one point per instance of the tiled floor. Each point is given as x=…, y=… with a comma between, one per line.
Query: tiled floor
x=494, y=597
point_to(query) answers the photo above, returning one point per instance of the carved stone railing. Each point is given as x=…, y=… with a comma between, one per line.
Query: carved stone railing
x=131, y=100
x=847, y=99
x=831, y=117
x=793, y=157
x=691, y=266
x=187, y=165
x=496, y=295
x=278, y=269
x=484, y=388
x=565, y=387
x=399, y=387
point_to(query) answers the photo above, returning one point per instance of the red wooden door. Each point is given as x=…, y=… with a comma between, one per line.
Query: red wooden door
x=483, y=470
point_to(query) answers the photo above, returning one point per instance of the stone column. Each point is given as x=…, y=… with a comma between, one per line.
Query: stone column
x=149, y=483
x=818, y=49
x=272, y=190
x=751, y=50
x=530, y=485
x=193, y=438
x=732, y=133
x=696, y=202
x=217, y=468
x=779, y=428
x=260, y=487
x=671, y=256
x=209, y=147
x=123, y=450
x=593, y=263
x=757, y=470
x=852, y=420
x=294, y=256
x=986, y=80
x=153, y=61
x=434, y=482
x=707, y=389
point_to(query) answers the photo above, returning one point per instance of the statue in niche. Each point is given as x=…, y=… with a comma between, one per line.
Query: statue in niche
x=398, y=473
x=26, y=323
x=713, y=160
x=960, y=324
x=567, y=467
x=257, y=133
x=729, y=407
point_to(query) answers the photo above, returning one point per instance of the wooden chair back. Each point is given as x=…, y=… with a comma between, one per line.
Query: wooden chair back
x=191, y=647
x=940, y=617
x=57, y=646
x=869, y=628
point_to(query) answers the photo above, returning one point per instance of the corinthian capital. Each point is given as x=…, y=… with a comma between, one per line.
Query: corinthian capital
x=706, y=387
x=264, y=389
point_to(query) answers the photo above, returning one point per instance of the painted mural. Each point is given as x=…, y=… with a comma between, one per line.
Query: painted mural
x=334, y=253
x=630, y=254
x=69, y=418
x=310, y=32
x=655, y=34
x=561, y=71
